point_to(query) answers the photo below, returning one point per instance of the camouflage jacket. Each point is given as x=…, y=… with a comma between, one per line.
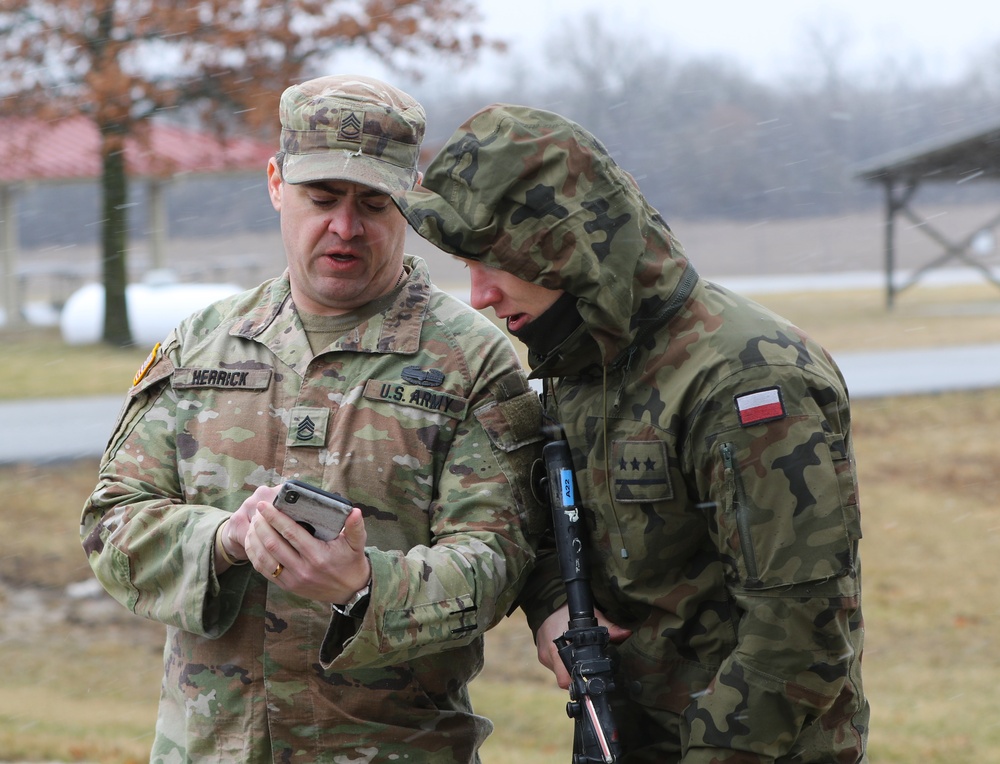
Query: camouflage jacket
x=712, y=446
x=423, y=418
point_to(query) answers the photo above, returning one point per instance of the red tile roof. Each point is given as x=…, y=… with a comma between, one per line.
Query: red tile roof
x=68, y=149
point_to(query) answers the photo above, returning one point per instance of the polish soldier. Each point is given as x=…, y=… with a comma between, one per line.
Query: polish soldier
x=711, y=441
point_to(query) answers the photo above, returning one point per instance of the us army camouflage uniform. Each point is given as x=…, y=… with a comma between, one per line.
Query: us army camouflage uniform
x=422, y=417
x=712, y=443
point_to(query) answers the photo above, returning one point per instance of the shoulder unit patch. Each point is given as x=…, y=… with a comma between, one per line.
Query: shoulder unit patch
x=151, y=359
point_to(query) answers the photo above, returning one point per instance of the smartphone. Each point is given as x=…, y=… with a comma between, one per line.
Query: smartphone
x=320, y=512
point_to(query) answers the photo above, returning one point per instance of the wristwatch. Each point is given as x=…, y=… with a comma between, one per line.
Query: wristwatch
x=355, y=606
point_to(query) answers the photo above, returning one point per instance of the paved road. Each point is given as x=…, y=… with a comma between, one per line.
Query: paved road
x=55, y=429
x=910, y=372
x=72, y=428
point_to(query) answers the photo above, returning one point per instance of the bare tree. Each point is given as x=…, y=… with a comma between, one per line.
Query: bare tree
x=983, y=73
x=122, y=62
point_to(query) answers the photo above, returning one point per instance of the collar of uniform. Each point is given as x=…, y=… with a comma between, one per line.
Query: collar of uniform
x=574, y=354
x=274, y=294
x=395, y=330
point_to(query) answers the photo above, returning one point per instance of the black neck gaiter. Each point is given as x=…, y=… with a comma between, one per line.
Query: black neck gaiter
x=549, y=330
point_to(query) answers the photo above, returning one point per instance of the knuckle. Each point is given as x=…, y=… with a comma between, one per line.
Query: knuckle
x=271, y=545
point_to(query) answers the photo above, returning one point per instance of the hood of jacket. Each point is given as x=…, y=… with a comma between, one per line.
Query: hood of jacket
x=533, y=193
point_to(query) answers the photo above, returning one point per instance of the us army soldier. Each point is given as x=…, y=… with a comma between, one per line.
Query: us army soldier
x=352, y=372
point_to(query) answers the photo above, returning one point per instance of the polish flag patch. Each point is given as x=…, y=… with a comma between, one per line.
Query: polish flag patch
x=760, y=406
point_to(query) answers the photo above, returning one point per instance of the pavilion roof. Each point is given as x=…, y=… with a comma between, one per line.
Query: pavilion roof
x=69, y=149
x=968, y=155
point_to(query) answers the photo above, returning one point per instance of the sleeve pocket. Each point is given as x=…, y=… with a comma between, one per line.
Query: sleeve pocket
x=784, y=519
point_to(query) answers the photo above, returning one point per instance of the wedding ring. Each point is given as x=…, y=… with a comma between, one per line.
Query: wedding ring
x=277, y=570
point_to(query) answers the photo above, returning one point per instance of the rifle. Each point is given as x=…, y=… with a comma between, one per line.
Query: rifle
x=582, y=647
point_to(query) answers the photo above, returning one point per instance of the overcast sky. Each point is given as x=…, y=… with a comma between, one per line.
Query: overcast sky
x=767, y=35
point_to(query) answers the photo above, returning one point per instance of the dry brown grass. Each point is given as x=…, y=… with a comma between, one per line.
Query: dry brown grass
x=37, y=364
x=932, y=536
x=858, y=321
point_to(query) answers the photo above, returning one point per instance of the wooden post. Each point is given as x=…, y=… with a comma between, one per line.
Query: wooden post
x=8, y=255
x=157, y=224
x=890, y=246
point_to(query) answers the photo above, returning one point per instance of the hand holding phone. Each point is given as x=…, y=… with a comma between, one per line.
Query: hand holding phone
x=320, y=512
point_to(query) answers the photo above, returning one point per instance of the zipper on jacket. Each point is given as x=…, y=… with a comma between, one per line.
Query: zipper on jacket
x=742, y=510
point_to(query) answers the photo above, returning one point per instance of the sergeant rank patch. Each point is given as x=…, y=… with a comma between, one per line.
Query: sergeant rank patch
x=307, y=426
x=760, y=406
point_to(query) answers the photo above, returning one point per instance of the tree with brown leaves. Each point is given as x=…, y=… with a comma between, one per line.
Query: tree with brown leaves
x=123, y=63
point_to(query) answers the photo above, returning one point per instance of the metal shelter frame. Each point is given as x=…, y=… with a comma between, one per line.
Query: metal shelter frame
x=972, y=155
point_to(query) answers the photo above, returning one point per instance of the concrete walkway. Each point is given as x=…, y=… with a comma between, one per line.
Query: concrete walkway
x=921, y=371
x=58, y=429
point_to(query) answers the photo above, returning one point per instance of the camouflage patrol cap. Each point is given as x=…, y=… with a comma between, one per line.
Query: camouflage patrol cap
x=350, y=127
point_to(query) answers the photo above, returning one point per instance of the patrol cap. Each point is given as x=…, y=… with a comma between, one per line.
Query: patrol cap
x=350, y=127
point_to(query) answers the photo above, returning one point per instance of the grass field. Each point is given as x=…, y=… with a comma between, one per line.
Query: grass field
x=80, y=687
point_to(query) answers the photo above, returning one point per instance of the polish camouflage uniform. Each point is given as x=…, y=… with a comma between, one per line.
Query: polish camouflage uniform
x=712, y=446
x=423, y=418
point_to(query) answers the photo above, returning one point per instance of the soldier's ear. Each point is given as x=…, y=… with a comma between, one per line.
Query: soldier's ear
x=274, y=184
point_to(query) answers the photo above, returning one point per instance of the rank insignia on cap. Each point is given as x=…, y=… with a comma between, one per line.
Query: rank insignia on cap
x=760, y=406
x=351, y=126
x=148, y=364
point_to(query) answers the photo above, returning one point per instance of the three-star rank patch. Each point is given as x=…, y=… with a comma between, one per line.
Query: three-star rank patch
x=640, y=471
x=760, y=406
